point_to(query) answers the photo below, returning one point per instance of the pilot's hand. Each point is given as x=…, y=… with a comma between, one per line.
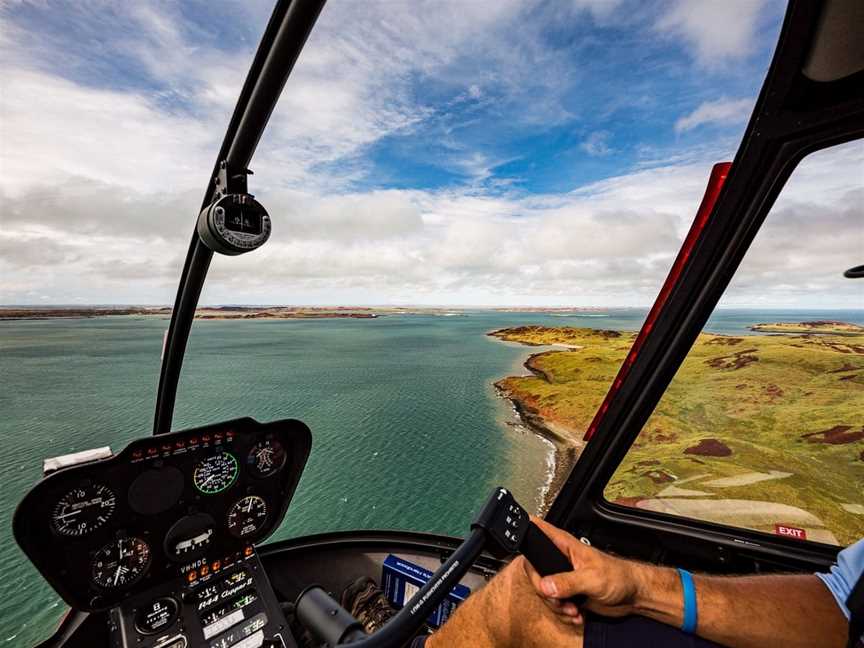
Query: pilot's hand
x=611, y=585
x=506, y=613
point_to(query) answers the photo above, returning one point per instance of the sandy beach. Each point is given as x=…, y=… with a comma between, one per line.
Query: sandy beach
x=567, y=442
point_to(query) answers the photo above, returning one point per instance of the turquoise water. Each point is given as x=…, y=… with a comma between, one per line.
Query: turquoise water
x=407, y=430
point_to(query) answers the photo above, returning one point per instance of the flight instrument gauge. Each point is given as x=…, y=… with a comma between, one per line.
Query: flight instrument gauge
x=120, y=563
x=234, y=224
x=83, y=509
x=265, y=458
x=247, y=516
x=215, y=473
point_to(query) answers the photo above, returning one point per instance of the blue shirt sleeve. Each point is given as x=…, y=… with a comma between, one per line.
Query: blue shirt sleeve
x=843, y=576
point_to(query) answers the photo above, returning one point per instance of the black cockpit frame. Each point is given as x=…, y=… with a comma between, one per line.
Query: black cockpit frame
x=281, y=44
x=794, y=116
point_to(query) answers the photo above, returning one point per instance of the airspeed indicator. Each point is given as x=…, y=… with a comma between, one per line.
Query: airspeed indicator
x=216, y=473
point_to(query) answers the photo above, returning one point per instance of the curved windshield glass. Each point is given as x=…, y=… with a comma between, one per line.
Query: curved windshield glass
x=763, y=425
x=435, y=172
x=434, y=180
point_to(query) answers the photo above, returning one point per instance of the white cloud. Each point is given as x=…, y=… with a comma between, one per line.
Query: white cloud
x=60, y=129
x=597, y=144
x=718, y=33
x=721, y=111
x=106, y=183
x=609, y=243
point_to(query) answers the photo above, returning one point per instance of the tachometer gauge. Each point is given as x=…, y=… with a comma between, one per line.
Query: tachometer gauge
x=265, y=458
x=120, y=563
x=247, y=516
x=215, y=473
x=83, y=509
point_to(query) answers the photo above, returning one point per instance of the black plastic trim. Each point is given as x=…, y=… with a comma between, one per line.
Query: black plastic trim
x=283, y=40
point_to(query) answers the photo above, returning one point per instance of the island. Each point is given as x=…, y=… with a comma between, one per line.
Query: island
x=764, y=431
x=819, y=327
x=220, y=312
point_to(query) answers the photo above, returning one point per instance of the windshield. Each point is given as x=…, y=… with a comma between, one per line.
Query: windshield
x=435, y=172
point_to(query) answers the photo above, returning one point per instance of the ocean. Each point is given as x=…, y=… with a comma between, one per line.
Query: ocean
x=408, y=432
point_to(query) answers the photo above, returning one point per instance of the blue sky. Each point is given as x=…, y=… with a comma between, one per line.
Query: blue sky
x=447, y=152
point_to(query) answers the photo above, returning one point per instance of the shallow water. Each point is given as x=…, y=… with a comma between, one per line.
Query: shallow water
x=407, y=430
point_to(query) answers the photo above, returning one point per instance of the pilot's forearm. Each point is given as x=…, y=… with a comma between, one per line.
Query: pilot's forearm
x=467, y=627
x=745, y=611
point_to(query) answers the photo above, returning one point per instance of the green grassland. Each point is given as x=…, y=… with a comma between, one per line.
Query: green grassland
x=769, y=419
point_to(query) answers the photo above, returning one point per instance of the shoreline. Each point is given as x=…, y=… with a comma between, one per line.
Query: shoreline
x=564, y=455
x=566, y=444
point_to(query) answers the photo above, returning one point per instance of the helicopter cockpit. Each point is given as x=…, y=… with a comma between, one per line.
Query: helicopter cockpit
x=161, y=544
x=162, y=535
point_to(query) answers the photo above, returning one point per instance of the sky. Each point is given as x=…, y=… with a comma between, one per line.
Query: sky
x=441, y=152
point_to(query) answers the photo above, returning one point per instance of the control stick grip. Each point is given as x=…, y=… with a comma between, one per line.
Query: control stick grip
x=545, y=557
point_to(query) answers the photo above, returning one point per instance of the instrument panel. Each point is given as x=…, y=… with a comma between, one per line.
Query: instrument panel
x=167, y=506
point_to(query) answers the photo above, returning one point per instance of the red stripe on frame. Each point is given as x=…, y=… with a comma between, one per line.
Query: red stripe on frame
x=719, y=173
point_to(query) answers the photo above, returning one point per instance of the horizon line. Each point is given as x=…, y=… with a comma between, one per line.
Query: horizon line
x=416, y=306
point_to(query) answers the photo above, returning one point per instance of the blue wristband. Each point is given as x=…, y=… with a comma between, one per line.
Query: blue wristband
x=691, y=614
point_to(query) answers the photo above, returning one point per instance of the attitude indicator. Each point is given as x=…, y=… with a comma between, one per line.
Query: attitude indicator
x=266, y=458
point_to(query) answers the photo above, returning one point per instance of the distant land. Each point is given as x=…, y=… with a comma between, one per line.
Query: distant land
x=754, y=431
x=255, y=312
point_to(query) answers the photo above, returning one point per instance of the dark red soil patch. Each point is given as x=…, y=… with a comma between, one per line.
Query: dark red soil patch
x=846, y=367
x=648, y=462
x=820, y=323
x=607, y=334
x=737, y=360
x=837, y=435
x=726, y=341
x=660, y=437
x=856, y=349
x=710, y=448
x=773, y=391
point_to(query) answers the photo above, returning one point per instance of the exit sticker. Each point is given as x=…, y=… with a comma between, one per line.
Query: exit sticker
x=790, y=532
